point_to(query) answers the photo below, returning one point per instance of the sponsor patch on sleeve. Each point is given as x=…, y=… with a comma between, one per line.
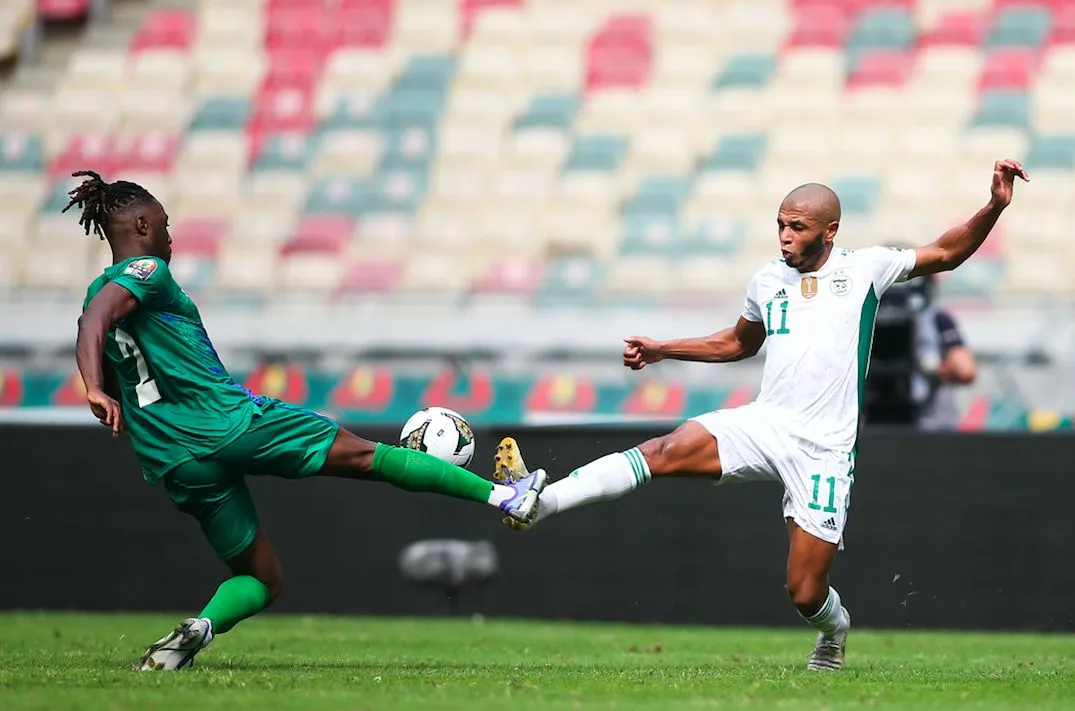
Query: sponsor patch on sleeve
x=141, y=268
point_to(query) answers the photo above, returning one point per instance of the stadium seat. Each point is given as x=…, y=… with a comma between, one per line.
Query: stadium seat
x=1020, y=26
x=958, y=27
x=1003, y=108
x=571, y=281
x=377, y=275
x=1051, y=152
x=21, y=153
x=742, y=152
x=410, y=147
x=63, y=10
x=826, y=25
x=399, y=190
x=512, y=275
x=658, y=195
x=620, y=54
x=165, y=29
x=221, y=113
x=284, y=151
x=885, y=27
x=596, y=152
x=858, y=194
x=1009, y=69
x=549, y=111
x=746, y=70
x=338, y=195
x=198, y=237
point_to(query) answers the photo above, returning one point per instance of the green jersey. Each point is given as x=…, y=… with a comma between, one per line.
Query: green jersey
x=179, y=403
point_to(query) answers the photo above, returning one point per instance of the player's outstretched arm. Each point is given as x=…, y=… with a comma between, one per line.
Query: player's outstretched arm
x=957, y=244
x=736, y=343
x=111, y=304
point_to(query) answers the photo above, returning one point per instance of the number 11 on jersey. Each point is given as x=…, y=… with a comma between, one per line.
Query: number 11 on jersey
x=783, y=318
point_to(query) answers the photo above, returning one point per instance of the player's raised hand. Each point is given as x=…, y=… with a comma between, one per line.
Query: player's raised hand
x=640, y=351
x=1004, y=174
x=106, y=410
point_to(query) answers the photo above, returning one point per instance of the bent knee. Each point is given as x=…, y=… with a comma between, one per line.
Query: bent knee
x=275, y=586
x=808, y=593
x=683, y=452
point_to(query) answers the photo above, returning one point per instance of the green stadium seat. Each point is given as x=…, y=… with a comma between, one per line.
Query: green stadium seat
x=858, y=194
x=596, y=152
x=221, y=113
x=338, y=195
x=549, y=111
x=399, y=190
x=1020, y=26
x=410, y=147
x=569, y=281
x=661, y=195
x=20, y=153
x=738, y=152
x=1055, y=152
x=411, y=107
x=650, y=233
x=746, y=70
x=1003, y=108
x=286, y=152
x=883, y=28
x=712, y=237
x=428, y=72
x=57, y=197
x=351, y=113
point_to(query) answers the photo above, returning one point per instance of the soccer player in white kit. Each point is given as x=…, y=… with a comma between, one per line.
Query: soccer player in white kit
x=815, y=307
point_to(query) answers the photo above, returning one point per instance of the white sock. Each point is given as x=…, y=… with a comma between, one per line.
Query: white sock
x=609, y=477
x=830, y=618
x=500, y=494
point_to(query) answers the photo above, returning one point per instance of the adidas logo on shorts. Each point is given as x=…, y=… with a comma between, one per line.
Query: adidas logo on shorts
x=829, y=525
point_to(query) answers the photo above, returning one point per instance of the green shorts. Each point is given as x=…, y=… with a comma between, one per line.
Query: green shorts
x=284, y=441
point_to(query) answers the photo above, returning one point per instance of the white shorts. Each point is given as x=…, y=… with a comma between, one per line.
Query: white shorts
x=755, y=446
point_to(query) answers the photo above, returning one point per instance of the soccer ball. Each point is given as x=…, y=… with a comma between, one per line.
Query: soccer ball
x=441, y=432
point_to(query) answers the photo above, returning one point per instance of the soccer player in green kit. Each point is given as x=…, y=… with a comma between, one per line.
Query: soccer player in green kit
x=151, y=370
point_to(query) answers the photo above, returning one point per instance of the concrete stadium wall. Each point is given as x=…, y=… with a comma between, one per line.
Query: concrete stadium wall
x=945, y=531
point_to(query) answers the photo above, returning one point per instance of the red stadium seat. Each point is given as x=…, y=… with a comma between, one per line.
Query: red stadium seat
x=881, y=68
x=296, y=27
x=363, y=23
x=80, y=152
x=1063, y=30
x=166, y=29
x=145, y=154
x=59, y=10
x=1009, y=69
x=198, y=237
x=620, y=54
x=958, y=28
x=513, y=276
x=820, y=26
x=319, y=234
x=372, y=275
x=470, y=10
x=282, y=110
x=294, y=66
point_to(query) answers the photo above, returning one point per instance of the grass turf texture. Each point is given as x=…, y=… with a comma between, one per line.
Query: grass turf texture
x=50, y=661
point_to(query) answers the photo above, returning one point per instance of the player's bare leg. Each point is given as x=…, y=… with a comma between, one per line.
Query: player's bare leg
x=356, y=458
x=257, y=580
x=809, y=562
x=690, y=450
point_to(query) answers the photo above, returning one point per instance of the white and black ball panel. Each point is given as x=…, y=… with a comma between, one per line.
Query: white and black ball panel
x=441, y=432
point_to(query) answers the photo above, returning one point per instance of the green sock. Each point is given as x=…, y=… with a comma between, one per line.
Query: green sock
x=236, y=599
x=417, y=471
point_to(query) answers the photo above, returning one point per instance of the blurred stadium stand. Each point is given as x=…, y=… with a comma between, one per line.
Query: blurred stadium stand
x=524, y=182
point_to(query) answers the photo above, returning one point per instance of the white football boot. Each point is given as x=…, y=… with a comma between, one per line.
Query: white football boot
x=176, y=649
x=828, y=654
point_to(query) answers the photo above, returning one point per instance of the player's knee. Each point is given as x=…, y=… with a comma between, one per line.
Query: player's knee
x=807, y=592
x=660, y=454
x=350, y=454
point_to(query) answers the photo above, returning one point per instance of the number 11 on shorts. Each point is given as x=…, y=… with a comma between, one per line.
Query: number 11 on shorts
x=831, y=481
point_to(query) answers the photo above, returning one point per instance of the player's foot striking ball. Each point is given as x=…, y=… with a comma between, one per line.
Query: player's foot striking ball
x=151, y=370
x=815, y=306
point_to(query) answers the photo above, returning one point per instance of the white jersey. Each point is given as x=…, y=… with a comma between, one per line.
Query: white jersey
x=819, y=330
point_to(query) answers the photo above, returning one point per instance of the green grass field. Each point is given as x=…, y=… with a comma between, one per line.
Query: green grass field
x=50, y=661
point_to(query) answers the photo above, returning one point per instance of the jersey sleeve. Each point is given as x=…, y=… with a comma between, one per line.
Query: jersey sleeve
x=751, y=307
x=150, y=281
x=948, y=331
x=888, y=266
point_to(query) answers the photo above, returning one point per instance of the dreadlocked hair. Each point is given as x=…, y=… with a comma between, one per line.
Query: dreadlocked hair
x=98, y=199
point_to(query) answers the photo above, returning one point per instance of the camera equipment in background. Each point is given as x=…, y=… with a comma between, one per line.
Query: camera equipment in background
x=888, y=399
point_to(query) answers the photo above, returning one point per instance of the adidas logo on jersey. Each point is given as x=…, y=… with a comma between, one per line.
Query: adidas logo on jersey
x=782, y=294
x=829, y=525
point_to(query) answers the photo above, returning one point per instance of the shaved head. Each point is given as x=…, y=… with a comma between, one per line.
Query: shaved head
x=808, y=220
x=814, y=198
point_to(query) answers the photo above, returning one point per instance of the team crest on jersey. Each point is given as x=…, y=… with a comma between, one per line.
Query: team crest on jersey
x=809, y=287
x=141, y=268
x=840, y=284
